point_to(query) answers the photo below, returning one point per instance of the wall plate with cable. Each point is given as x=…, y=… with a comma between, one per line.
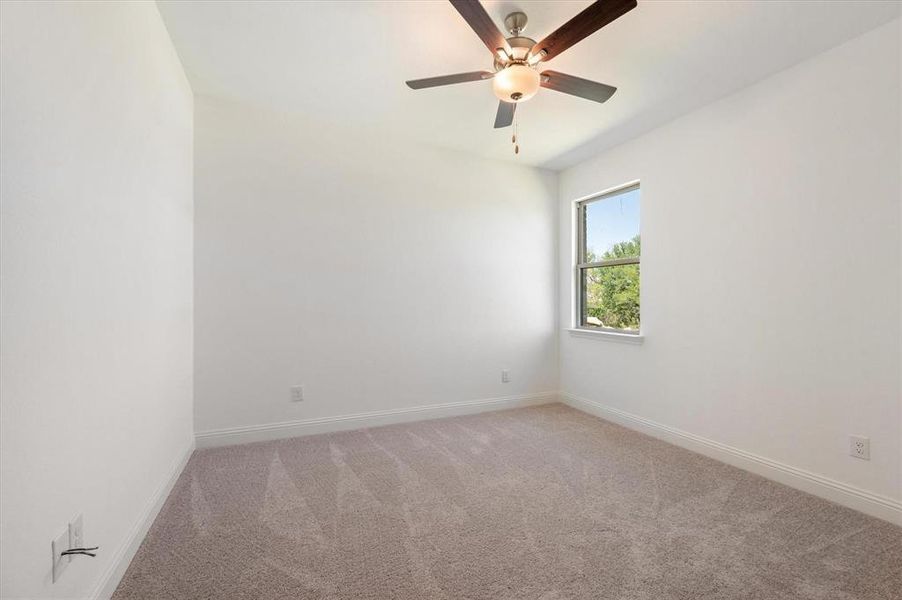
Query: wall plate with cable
x=76, y=534
x=60, y=562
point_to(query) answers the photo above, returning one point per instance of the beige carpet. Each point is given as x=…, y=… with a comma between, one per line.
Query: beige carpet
x=545, y=503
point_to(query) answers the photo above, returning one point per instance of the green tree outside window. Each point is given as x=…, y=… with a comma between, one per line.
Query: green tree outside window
x=612, y=293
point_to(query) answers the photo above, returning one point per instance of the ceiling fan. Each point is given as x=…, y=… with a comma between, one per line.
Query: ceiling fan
x=516, y=77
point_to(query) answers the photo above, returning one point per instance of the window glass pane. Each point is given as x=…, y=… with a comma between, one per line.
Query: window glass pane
x=611, y=297
x=612, y=227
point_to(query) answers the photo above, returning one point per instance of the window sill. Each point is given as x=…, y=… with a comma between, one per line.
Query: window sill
x=608, y=336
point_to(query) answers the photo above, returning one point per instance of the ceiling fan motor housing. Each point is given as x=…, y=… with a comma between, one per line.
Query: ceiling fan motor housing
x=520, y=47
x=516, y=81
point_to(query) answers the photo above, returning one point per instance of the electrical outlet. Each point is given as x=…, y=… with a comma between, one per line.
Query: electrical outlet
x=76, y=534
x=297, y=393
x=60, y=562
x=505, y=376
x=860, y=447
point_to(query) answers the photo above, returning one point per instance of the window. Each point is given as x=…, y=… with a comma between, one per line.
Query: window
x=607, y=261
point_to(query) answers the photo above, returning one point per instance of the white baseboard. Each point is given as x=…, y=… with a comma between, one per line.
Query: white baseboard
x=124, y=554
x=876, y=505
x=286, y=429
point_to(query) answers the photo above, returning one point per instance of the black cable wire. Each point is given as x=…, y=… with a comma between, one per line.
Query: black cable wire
x=85, y=551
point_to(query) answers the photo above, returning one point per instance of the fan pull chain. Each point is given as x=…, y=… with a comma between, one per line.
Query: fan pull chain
x=514, y=137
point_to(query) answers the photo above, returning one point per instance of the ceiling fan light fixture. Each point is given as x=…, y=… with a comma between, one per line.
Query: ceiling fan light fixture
x=516, y=83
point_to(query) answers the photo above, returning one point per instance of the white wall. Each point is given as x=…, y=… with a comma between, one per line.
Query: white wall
x=378, y=274
x=770, y=269
x=96, y=280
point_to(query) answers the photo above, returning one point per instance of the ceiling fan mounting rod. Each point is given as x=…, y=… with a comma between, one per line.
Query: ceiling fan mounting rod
x=515, y=23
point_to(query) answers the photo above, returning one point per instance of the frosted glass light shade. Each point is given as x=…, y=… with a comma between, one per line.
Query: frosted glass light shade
x=516, y=83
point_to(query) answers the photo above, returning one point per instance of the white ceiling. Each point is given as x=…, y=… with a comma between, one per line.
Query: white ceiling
x=347, y=62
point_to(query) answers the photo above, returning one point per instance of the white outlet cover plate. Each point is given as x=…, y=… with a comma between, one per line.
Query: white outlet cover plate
x=860, y=447
x=76, y=534
x=297, y=393
x=58, y=546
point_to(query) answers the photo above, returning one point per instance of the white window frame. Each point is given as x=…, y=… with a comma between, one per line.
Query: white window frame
x=581, y=265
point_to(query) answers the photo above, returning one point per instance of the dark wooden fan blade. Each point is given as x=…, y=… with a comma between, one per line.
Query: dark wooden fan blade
x=418, y=84
x=576, y=86
x=593, y=18
x=480, y=21
x=505, y=115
